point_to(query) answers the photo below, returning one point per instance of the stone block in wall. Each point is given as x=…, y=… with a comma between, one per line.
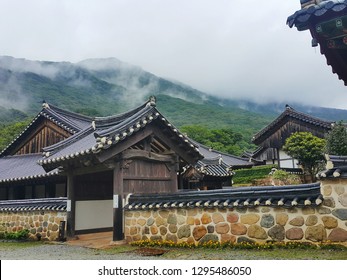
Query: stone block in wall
x=338, y=235
x=163, y=230
x=244, y=239
x=199, y=232
x=327, y=190
x=324, y=210
x=156, y=238
x=267, y=221
x=343, y=199
x=150, y=221
x=172, y=219
x=160, y=221
x=282, y=219
x=217, y=218
x=145, y=230
x=181, y=219
x=171, y=237
x=297, y=221
x=255, y=231
x=277, y=233
x=238, y=229
x=210, y=229
x=308, y=211
x=228, y=238
x=232, y=218
x=316, y=233
x=222, y=228
x=339, y=189
x=329, y=202
x=329, y=222
x=340, y=214
x=184, y=232
x=295, y=233
x=311, y=220
x=206, y=218
x=209, y=237
x=154, y=230
x=190, y=221
x=164, y=213
x=250, y=219
x=173, y=228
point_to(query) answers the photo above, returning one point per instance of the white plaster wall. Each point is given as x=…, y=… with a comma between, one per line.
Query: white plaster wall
x=93, y=214
x=286, y=161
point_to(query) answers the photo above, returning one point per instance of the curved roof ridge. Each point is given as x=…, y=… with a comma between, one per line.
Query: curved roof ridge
x=65, y=115
x=123, y=122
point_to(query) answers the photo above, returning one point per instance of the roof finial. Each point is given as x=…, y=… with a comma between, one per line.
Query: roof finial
x=288, y=107
x=152, y=101
x=45, y=104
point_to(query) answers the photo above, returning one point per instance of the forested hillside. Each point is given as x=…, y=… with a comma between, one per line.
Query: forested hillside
x=100, y=87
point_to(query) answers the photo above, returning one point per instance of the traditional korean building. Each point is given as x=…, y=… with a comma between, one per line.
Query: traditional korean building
x=85, y=167
x=327, y=23
x=272, y=138
x=214, y=171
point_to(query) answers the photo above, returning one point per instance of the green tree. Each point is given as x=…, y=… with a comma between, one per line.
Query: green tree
x=223, y=139
x=307, y=149
x=336, y=140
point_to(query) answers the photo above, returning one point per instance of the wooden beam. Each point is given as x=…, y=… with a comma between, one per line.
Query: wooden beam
x=123, y=145
x=71, y=204
x=147, y=155
x=118, y=194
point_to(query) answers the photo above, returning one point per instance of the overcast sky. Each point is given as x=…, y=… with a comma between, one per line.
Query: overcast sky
x=236, y=49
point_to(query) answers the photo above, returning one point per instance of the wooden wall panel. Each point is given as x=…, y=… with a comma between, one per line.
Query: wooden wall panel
x=43, y=135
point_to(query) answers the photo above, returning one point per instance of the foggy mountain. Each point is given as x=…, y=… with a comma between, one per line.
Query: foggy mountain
x=100, y=87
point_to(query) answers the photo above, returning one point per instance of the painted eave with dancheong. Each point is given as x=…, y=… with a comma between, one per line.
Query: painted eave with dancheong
x=312, y=12
x=242, y=197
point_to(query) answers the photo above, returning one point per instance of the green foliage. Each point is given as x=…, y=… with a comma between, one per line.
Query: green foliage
x=239, y=246
x=9, y=132
x=224, y=139
x=15, y=235
x=247, y=176
x=286, y=178
x=307, y=149
x=336, y=140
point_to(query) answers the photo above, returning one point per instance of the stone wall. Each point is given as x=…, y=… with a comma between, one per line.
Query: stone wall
x=258, y=224
x=42, y=225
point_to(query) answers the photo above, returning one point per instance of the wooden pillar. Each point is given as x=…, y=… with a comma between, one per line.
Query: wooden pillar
x=71, y=205
x=118, y=232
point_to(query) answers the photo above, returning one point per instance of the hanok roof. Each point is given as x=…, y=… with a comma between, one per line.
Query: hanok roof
x=106, y=132
x=231, y=160
x=22, y=167
x=336, y=167
x=245, y=197
x=307, y=122
x=69, y=121
x=57, y=204
x=218, y=164
x=311, y=12
x=327, y=22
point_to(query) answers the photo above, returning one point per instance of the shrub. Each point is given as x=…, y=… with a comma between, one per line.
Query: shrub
x=16, y=235
x=247, y=176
